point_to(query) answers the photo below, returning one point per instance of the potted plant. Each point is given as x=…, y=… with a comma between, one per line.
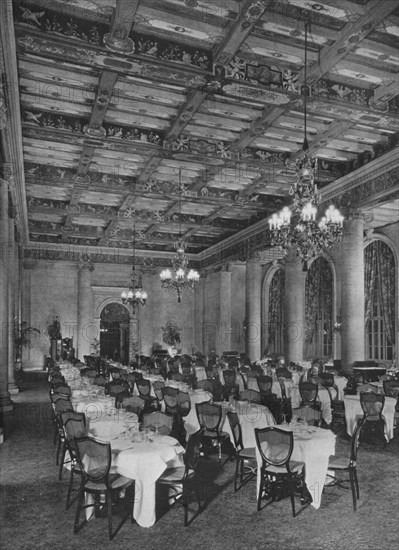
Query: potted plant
x=22, y=338
x=171, y=334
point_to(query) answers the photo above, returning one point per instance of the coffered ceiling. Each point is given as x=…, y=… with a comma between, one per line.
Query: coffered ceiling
x=120, y=98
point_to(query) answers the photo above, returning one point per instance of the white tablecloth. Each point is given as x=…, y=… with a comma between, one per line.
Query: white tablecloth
x=353, y=408
x=200, y=373
x=95, y=408
x=145, y=462
x=251, y=416
x=314, y=449
x=341, y=383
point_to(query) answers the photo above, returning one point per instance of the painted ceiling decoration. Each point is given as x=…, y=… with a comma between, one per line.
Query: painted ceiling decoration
x=115, y=97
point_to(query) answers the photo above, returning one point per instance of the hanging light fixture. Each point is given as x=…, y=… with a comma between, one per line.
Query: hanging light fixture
x=308, y=236
x=135, y=297
x=182, y=278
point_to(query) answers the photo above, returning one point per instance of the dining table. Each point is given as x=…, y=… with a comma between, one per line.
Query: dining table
x=353, y=409
x=250, y=415
x=313, y=446
x=142, y=456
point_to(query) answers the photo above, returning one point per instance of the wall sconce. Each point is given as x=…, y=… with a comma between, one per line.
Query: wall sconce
x=338, y=323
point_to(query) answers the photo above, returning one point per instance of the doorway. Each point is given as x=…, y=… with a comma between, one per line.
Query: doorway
x=114, y=333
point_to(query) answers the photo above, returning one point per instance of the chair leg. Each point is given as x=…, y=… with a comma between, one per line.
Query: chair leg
x=109, y=505
x=63, y=452
x=292, y=499
x=237, y=473
x=69, y=489
x=220, y=451
x=356, y=482
x=260, y=492
x=353, y=489
x=78, y=509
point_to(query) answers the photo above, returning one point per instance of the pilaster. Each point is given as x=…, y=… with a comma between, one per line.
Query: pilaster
x=294, y=308
x=253, y=309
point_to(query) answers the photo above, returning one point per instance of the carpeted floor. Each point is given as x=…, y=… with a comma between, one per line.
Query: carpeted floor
x=33, y=512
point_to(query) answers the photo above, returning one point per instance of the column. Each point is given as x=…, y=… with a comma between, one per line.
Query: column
x=225, y=311
x=294, y=311
x=253, y=330
x=199, y=316
x=6, y=404
x=26, y=276
x=352, y=292
x=12, y=279
x=85, y=310
x=134, y=336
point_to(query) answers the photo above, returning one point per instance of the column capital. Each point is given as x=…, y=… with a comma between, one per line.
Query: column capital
x=85, y=267
x=352, y=214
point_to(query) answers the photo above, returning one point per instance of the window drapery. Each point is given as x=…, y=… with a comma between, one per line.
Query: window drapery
x=379, y=274
x=276, y=306
x=318, y=297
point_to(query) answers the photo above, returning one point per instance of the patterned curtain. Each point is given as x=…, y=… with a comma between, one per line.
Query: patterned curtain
x=276, y=304
x=318, y=295
x=379, y=273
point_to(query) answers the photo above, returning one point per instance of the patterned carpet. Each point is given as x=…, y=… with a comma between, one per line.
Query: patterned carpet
x=33, y=512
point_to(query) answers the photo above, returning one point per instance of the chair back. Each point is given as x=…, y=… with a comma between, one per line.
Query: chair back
x=391, y=388
x=274, y=445
x=62, y=405
x=74, y=428
x=265, y=383
x=236, y=430
x=326, y=379
x=229, y=377
x=117, y=387
x=143, y=387
x=308, y=392
x=333, y=393
x=170, y=399
x=158, y=421
x=100, y=380
x=183, y=403
x=252, y=396
x=209, y=416
x=158, y=386
x=178, y=377
x=283, y=372
x=94, y=458
x=120, y=399
x=134, y=404
x=372, y=403
x=206, y=385
x=193, y=448
x=72, y=415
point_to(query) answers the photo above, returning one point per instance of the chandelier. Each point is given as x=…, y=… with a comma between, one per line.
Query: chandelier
x=135, y=297
x=182, y=278
x=308, y=235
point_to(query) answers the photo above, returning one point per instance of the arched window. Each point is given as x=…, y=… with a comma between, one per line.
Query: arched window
x=379, y=290
x=318, y=310
x=275, y=344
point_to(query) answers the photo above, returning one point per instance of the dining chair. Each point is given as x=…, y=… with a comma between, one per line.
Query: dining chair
x=206, y=385
x=372, y=405
x=246, y=466
x=338, y=422
x=157, y=387
x=116, y=386
x=100, y=380
x=283, y=372
x=61, y=389
x=286, y=401
x=144, y=389
x=74, y=428
x=94, y=458
x=158, y=421
x=60, y=406
x=210, y=418
x=134, y=404
x=230, y=387
x=279, y=475
x=120, y=399
x=326, y=379
x=64, y=418
x=252, y=396
x=391, y=389
x=347, y=464
x=182, y=481
x=310, y=406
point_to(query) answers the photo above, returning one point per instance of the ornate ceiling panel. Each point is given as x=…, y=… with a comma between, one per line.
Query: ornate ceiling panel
x=121, y=98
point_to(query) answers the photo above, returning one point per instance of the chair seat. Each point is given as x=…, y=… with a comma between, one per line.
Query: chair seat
x=173, y=475
x=248, y=452
x=338, y=463
x=116, y=482
x=295, y=467
x=214, y=435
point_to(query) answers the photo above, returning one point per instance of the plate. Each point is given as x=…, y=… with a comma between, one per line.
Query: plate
x=165, y=440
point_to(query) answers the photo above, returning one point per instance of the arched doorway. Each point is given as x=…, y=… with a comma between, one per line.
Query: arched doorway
x=114, y=332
